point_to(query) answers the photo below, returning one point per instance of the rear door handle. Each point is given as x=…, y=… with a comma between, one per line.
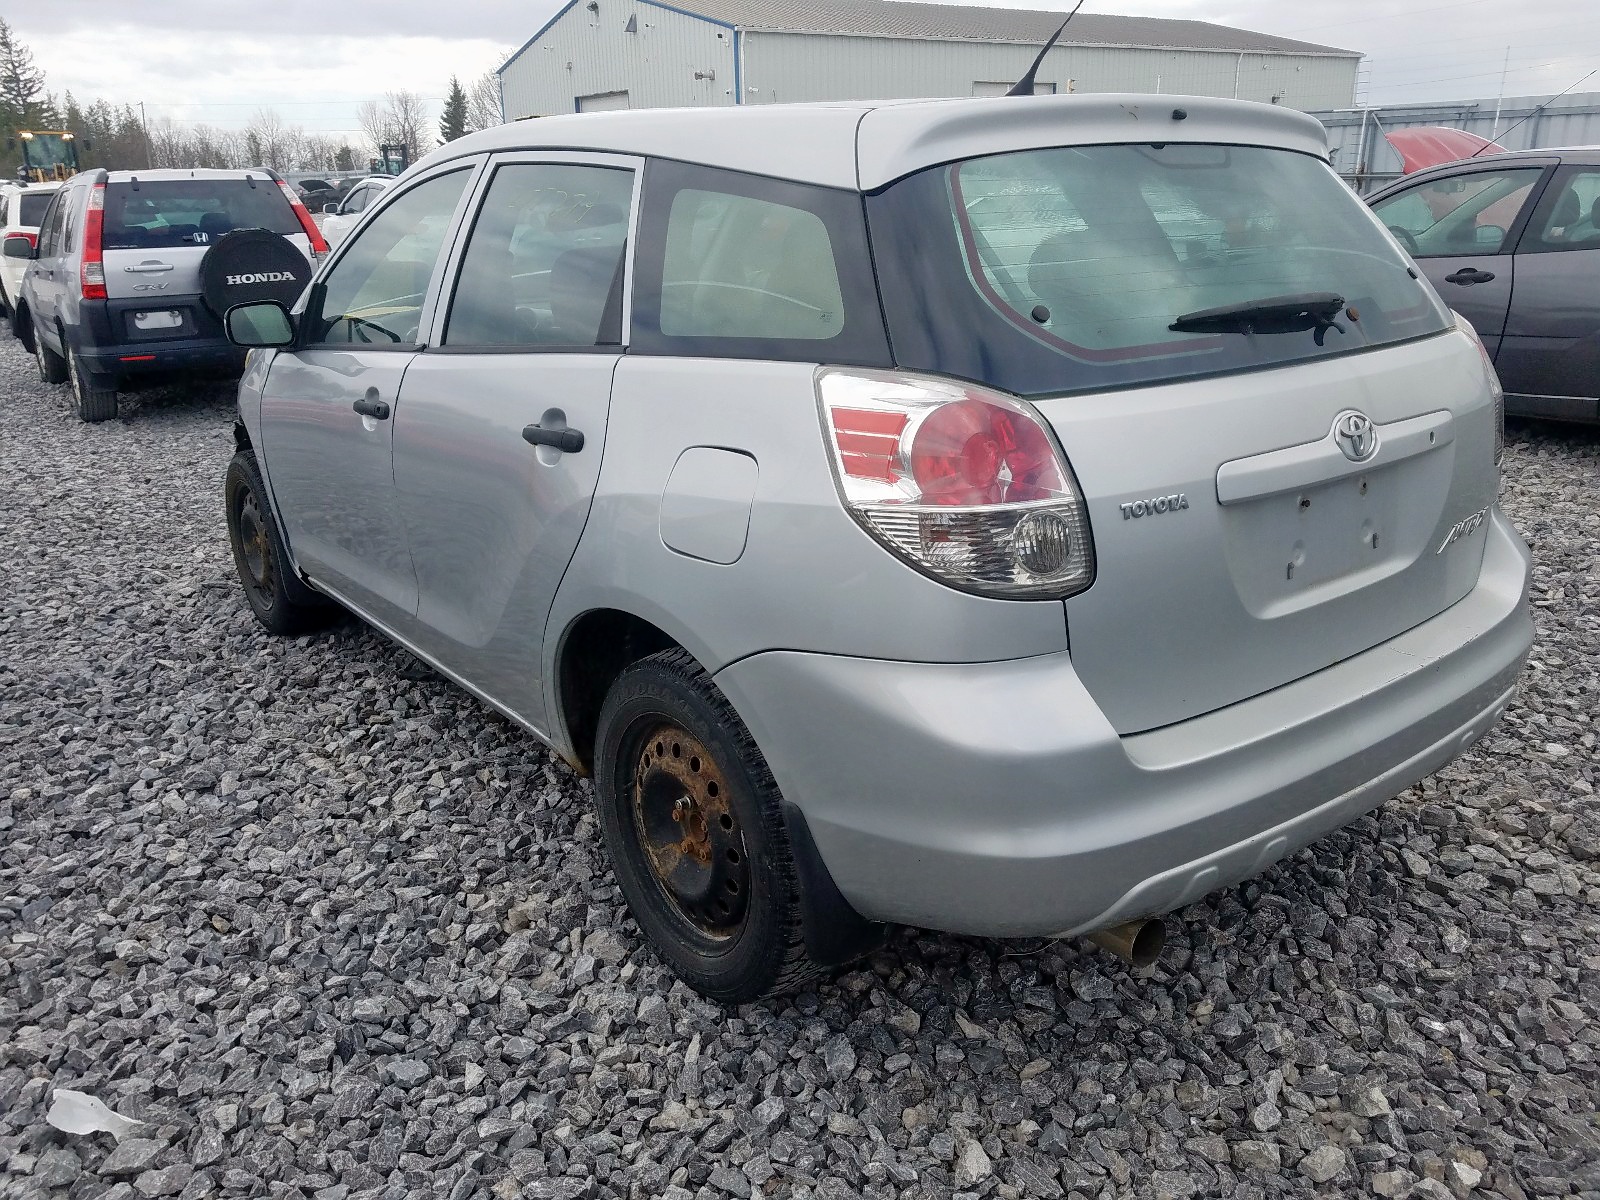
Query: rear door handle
x=371, y=406
x=568, y=441
x=1467, y=276
x=149, y=267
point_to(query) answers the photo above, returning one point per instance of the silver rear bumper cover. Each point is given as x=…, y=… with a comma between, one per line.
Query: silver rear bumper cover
x=995, y=799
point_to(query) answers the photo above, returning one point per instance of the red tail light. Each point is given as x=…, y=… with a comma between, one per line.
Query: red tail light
x=33, y=238
x=963, y=483
x=92, y=273
x=319, y=244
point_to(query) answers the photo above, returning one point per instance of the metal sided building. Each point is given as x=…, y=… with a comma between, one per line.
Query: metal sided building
x=598, y=54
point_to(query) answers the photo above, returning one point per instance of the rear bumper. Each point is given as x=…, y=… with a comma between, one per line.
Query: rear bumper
x=108, y=348
x=996, y=799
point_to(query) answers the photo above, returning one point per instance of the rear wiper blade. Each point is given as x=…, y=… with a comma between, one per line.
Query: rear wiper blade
x=1273, y=314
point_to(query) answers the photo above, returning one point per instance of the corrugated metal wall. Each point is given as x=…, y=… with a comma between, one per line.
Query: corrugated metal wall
x=1361, y=155
x=586, y=53
x=796, y=67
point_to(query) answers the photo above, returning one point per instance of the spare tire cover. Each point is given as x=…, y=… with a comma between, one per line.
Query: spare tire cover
x=252, y=264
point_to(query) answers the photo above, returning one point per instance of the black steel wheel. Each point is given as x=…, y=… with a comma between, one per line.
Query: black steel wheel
x=689, y=832
x=693, y=822
x=280, y=601
x=95, y=401
x=52, y=367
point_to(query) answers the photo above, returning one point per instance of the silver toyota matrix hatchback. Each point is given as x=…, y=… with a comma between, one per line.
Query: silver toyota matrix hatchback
x=1012, y=517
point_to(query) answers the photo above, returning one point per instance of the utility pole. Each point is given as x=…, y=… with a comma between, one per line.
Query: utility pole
x=144, y=125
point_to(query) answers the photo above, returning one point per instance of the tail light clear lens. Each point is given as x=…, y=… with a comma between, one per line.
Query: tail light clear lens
x=963, y=483
x=1498, y=392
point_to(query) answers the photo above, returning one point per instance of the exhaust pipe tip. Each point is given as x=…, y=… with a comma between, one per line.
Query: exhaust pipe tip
x=1137, y=943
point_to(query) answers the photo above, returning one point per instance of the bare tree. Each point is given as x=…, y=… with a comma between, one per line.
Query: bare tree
x=400, y=120
x=270, y=140
x=408, y=122
x=483, y=102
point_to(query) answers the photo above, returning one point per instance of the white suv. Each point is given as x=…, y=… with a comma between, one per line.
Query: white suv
x=340, y=218
x=21, y=210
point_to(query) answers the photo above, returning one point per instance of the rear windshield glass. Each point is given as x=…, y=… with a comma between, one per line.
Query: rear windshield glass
x=192, y=212
x=1048, y=271
x=32, y=207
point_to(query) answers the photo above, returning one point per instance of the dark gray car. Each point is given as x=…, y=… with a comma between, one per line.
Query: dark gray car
x=1512, y=243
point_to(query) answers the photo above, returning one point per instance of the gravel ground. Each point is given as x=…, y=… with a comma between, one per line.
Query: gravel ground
x=330, y=928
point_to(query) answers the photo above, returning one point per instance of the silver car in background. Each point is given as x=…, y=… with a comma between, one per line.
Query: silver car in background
x=1014, y=517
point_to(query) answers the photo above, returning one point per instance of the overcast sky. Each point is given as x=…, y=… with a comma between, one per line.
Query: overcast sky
x=219, y=60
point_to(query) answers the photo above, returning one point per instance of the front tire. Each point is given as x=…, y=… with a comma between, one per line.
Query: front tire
x=693, y=822
x=279, y=601
x=52, y=367
x=95, y=402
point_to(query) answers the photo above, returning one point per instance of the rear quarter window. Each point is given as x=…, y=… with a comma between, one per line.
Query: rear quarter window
x=192, y=212
x=740, y=266
x=28, y=208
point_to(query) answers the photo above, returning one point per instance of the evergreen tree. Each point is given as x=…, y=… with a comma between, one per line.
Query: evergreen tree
x=454, y=121
x=21, y=83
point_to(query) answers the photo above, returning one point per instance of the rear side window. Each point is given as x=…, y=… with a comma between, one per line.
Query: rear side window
x=192, y=212
x=543, y=266
x=1461, y=214
x=1065, y=269
x=738, y=266
x=1568, y=216
x=50, y=231
x=30, y=208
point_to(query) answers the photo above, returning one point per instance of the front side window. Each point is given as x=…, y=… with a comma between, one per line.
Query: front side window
x=739, y=266
x=373, y=295
x=357, y=200
x=1083, y=268
x=1568, y=216
x=543, y=264
x=1461, y=214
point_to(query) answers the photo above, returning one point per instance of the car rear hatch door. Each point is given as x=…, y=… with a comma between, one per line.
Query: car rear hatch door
x=156, y=233
x=1239, y=542
x=1274, y=422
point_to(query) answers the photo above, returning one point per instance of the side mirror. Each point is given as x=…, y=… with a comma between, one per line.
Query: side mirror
x=329, y=208
x=259, y=323
x=19, y=245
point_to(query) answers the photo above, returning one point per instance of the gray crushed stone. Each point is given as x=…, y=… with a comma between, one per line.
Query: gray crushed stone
x=332, y=930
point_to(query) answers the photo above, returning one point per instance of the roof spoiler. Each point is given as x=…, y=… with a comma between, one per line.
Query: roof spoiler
x=1024, y=86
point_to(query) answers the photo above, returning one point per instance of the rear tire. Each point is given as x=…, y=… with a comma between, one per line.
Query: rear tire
x=276, y=596
x=693, y=822
x=95, y=401
x=52, y=367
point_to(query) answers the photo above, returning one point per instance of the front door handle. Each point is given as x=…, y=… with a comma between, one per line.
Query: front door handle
x=568, y=441
x=1468, y=276
x=371, y=406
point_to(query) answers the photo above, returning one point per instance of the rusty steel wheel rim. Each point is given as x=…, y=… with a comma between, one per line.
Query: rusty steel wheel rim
x=689, y=831
x=254, y=548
